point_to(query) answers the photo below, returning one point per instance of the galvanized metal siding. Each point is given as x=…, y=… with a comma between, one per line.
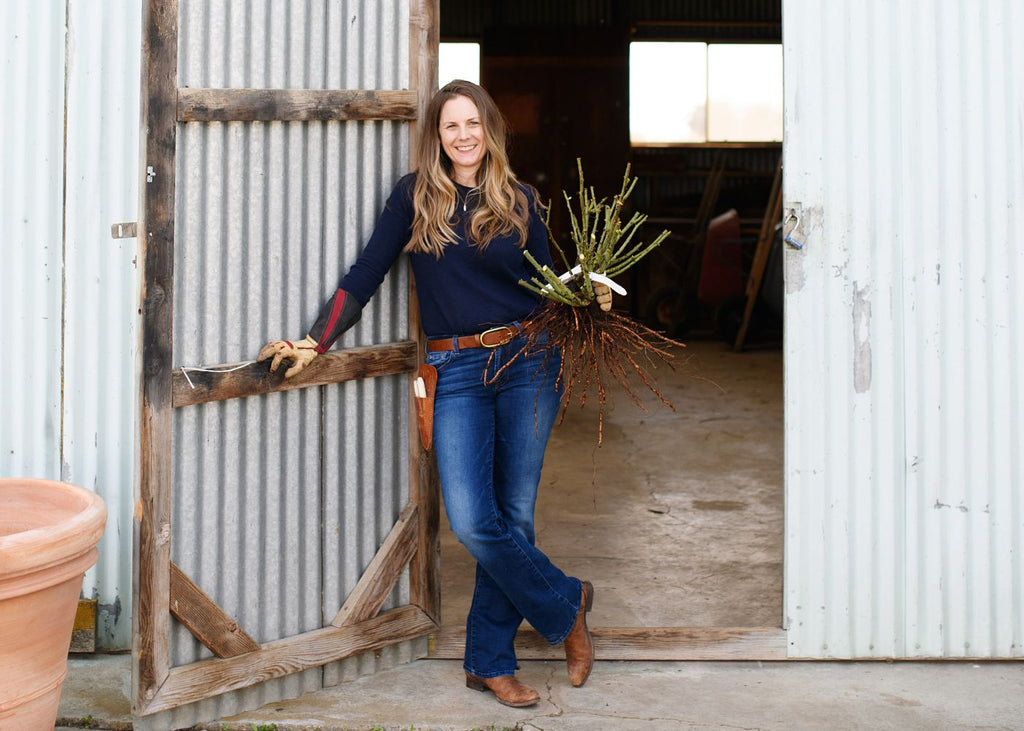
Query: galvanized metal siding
x=100, y=318
x=31, y=221
x=280, y=502
x=305, y=44
x=69, y=142
x=904, y=151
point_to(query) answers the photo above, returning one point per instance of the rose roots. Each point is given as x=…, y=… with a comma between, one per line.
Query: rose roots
x=597, y=348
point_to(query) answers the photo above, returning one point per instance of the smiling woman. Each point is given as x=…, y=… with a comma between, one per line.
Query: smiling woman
x=470, y=228
x=462, y=139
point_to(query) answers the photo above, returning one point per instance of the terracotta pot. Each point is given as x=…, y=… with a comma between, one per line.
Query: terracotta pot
x=48, y=536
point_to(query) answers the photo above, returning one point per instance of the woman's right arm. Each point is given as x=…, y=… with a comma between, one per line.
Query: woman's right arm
x=345, y=306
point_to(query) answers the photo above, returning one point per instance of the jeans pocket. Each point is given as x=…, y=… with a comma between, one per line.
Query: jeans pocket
x=440, y=359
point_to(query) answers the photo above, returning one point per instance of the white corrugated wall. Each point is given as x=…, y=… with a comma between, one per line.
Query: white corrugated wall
x=904, y=154
x=70, y=151
x=31, y=203
x=100, y=317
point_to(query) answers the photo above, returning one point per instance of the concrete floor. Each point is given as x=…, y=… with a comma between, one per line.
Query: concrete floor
x=428, y=695
x=677, y=517
x=677, y=520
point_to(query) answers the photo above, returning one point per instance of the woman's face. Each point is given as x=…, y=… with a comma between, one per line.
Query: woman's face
x=462, y=138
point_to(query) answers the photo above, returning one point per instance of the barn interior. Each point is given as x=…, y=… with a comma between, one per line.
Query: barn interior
x=677, y=517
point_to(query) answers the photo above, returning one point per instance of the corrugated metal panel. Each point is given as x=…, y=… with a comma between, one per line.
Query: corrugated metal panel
x=905, y=528
x=281, y=501
x=305, y=44
x=100, y=315
x=67, y=291
x=31, y=203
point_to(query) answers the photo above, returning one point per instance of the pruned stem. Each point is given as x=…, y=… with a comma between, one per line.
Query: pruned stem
x=602, y=243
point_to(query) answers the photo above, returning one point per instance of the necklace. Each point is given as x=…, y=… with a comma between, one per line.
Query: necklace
x=465, y=199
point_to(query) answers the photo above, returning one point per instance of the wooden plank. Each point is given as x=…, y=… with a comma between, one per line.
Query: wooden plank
x=293, y=105
x=221, y=382
x=384, y=570
x=424, y=41
x=205, y=620
x=639, y=643
x=152, y=527
x=772, y=214
x=674, y=23
x=215, y=676
x=425, y=567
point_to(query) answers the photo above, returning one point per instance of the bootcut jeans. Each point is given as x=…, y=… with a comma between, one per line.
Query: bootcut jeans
x=489, y=436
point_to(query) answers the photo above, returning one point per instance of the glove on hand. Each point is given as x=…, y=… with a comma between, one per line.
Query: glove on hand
x=603, y=295
x=300, y=353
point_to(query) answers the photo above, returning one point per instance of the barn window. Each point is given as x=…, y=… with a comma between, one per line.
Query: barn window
x=458, y=61
x=704, y=92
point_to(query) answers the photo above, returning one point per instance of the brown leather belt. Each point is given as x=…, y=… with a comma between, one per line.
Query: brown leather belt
x=491, y=338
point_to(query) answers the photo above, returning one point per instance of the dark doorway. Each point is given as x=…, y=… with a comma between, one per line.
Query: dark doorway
x=679, y=514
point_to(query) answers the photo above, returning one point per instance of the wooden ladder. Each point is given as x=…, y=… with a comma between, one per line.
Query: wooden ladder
x=772, y=214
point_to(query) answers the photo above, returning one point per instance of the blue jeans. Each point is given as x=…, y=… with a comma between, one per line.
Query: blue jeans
x=490, y=438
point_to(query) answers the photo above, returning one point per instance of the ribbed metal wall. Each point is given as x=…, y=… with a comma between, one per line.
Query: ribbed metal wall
x=281, y=501
x=69, y=141
x=904, y=521
x=101, y=279
x=31, y=222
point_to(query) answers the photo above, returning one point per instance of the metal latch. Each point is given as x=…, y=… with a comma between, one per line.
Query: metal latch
x=127, y=230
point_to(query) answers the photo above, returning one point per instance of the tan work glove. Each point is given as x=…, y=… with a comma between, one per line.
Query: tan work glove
x=603, y=295
x=300, y=353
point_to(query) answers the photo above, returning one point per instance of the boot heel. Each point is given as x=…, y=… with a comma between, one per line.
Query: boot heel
x=590, y=595
x=474, y=683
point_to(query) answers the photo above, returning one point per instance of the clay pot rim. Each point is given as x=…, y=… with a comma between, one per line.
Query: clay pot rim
x=58, y=542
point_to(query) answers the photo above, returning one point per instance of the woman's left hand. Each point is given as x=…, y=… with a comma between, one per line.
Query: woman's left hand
x=603, y=295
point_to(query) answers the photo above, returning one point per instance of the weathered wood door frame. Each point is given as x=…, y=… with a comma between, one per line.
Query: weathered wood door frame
x=160, y=589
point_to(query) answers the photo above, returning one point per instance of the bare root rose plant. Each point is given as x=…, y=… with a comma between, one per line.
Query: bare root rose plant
x=598, y=348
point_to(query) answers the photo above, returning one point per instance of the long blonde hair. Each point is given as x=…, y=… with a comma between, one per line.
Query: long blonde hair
x=502, y=208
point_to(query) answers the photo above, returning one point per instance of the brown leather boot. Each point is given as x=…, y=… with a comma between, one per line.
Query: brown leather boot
x=506, y=688
x=579, y=645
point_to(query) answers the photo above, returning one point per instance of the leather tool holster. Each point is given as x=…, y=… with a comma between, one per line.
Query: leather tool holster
x=425, y=406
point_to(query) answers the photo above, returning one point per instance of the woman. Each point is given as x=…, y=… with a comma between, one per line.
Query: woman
x=465, y=222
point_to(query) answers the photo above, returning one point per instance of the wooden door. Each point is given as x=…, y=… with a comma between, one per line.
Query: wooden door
x=195, y=379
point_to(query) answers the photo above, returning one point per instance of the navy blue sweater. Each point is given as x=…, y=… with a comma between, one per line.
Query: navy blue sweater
x=468, y=289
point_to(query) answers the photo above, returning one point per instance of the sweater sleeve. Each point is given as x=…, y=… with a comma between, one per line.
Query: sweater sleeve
x=386, y=243
x=389, y=237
